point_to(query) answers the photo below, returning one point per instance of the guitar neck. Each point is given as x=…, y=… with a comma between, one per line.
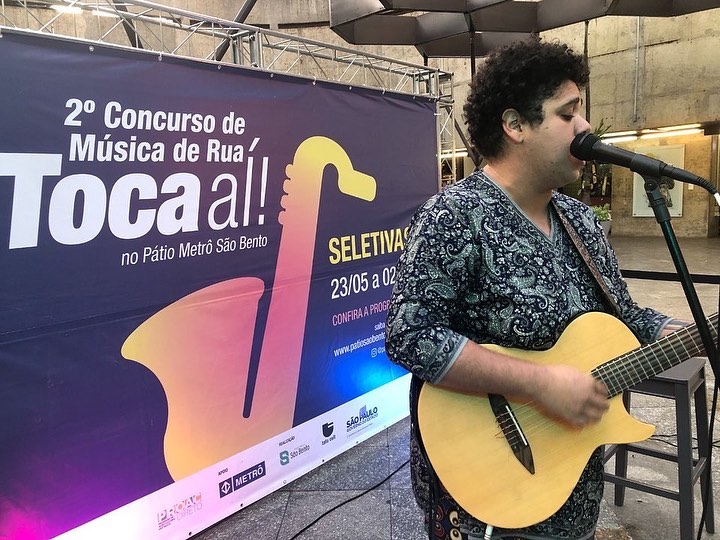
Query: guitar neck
x=645, y=362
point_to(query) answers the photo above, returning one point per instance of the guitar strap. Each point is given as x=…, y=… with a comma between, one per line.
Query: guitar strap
x=580, y=246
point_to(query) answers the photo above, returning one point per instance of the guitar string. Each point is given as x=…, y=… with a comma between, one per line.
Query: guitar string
x=682, y=343
x=546, y=423
x=524, y=412
x=616, y=370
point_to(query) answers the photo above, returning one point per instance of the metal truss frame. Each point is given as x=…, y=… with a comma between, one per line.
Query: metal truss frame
x=150, y=26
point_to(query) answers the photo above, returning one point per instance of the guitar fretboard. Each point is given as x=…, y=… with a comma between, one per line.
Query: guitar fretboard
x=640, y=364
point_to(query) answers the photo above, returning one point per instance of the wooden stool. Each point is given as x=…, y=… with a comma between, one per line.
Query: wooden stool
x=682, y=383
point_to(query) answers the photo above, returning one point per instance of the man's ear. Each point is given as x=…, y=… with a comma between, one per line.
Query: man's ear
x=512, y=125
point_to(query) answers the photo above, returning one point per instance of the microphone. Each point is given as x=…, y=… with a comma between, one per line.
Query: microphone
x=587, y=147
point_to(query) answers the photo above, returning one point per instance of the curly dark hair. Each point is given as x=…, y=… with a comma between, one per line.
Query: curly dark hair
x=518, y=76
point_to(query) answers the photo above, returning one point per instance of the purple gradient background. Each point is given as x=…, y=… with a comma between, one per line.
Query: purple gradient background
x=81, y=428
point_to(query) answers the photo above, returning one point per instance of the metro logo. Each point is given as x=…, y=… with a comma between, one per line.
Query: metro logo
x=240, y=480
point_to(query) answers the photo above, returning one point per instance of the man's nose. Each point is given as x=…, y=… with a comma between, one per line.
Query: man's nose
x=582, y=125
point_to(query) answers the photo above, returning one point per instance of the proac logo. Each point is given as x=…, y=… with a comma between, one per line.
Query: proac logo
x=179, y=510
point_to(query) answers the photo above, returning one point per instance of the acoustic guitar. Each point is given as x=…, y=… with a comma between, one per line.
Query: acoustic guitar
x=479, y=445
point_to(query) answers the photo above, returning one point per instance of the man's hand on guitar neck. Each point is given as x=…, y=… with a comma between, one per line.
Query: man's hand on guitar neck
x=673, y=326
x=563, y=392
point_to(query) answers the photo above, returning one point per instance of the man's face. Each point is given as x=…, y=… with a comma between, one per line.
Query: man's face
x=548, y=143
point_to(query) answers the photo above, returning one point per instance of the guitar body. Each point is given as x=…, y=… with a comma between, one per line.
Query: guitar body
x=473, y=459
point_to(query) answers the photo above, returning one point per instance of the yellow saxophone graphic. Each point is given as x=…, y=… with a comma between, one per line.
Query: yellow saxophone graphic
x=199, y=347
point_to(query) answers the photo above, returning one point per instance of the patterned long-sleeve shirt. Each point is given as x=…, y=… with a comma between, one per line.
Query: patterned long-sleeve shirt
x=476, y=268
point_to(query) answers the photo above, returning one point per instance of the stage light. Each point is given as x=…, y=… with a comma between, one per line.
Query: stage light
x=618, y=134
x=651, y=133
x=626, y=138
x=657, y=135
x=683, y=127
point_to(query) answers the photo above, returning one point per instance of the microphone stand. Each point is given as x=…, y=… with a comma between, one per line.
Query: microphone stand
x=662, y=216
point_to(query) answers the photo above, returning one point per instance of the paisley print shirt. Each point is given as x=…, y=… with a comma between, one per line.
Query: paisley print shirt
x=475, y=267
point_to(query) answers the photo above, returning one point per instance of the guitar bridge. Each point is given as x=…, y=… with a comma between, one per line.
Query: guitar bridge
x=510, y=427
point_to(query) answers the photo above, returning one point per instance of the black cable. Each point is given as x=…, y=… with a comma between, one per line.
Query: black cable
x=665, y=439
x=306, y=527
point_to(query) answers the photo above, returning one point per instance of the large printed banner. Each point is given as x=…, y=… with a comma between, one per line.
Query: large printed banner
x=196, y=265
